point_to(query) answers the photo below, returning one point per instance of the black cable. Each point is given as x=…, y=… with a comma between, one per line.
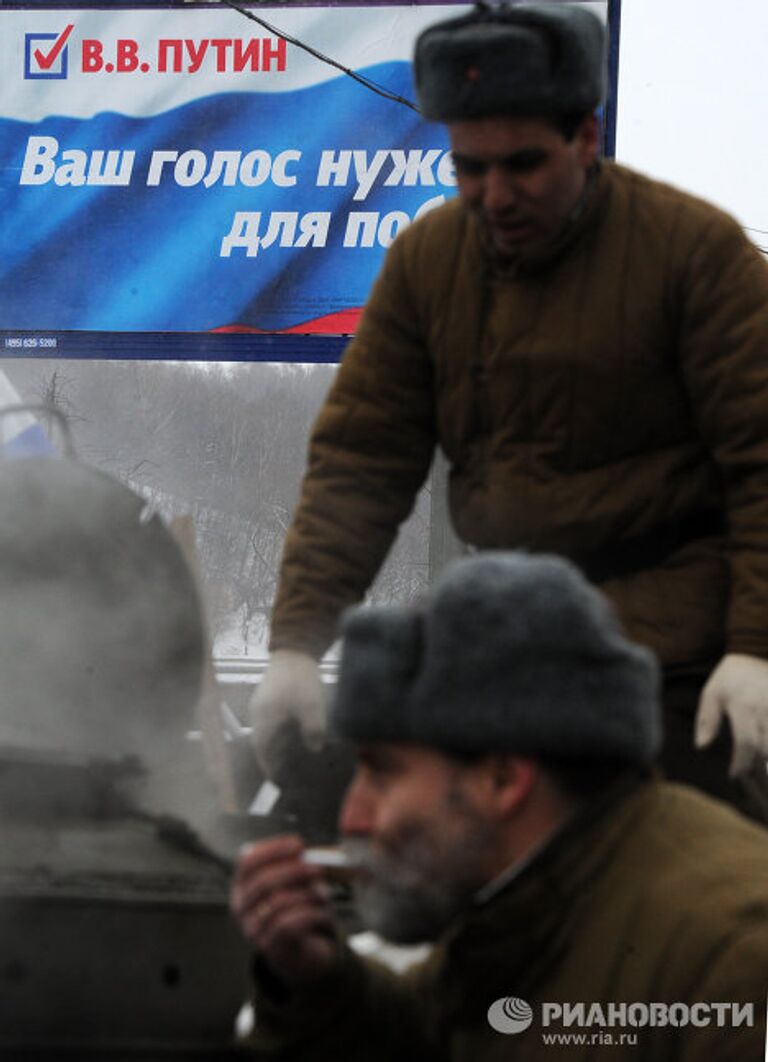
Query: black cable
x=366, y=82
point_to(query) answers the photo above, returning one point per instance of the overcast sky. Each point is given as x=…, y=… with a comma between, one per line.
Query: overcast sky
x=693, y=105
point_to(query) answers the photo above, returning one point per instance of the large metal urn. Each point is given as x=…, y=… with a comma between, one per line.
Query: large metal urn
x=115, y=941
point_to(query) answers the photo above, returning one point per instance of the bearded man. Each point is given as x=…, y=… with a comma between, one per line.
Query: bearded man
x=505, y=808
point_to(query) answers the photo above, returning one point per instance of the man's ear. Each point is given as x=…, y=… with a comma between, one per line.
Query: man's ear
x=513, y=779
x=587, y=140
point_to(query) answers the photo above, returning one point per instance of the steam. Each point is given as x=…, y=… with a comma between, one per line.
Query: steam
x=100, y=631
x=101, y=636
x=102, y=651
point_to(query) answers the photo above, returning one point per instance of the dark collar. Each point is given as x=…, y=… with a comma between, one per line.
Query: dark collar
x=514, y=938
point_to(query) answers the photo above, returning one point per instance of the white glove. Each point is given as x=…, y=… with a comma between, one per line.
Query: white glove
x=291, y=689
x=738, y=688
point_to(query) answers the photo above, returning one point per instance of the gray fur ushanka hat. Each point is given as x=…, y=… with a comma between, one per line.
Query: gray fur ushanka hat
x=529, y=59
x=510, y=652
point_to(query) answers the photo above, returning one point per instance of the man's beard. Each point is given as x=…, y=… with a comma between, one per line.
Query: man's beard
x=412, y=896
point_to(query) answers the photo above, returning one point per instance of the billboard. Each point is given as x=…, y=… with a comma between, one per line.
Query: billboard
x=199, y=181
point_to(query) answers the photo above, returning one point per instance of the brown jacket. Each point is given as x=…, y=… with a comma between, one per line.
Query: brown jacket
x=660, y=899
x=609, y=403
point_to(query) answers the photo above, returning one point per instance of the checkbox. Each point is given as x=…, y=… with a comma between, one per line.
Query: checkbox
x=46, y=55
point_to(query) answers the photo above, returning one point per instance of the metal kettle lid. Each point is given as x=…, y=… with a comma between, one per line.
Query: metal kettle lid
x=101, y=634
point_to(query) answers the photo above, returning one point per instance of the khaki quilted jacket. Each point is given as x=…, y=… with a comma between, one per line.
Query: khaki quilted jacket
x=660, y=899
x=609, y=403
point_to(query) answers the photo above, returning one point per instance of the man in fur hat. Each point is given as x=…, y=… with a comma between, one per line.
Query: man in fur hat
x=505, y=807
x=588, y=349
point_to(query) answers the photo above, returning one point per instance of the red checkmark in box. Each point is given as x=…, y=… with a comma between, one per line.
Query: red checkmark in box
x=46, y=61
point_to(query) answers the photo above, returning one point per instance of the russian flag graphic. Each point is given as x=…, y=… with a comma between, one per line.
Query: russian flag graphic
x=123, y=193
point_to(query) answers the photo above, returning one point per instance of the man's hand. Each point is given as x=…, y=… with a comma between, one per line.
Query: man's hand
x=282, y=909
x=290, y=690
x=738, y=688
